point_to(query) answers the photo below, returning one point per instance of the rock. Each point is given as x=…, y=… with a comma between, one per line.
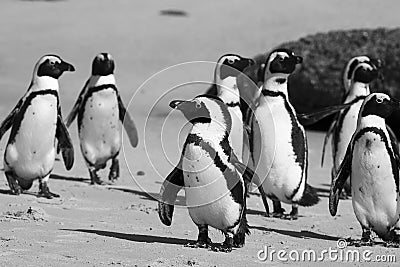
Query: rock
x=140, y=173
x=32, y=214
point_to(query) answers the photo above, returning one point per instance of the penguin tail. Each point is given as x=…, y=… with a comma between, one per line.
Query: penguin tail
x=310, y=197
x=243, y=230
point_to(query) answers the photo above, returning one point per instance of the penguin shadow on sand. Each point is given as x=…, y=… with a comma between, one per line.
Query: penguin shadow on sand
x=303, y=234
x=133, y=237
x=70, y=178
x=9, y=192
x=181, y=200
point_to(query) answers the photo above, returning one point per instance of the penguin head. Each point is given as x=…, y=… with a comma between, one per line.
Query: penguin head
x=103, y=65
x=281, y=61
x=380, y=105
x=204, y=109
x=231, y=65
x=361, y=69
x=365, y=73
x=51, y=66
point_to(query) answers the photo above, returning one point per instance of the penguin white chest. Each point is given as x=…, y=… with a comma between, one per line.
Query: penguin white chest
x=347, y=130
x=236, y=134
x=375, y=201
x=207, y=195
x=273, y=147
x=32, y=152
x=100, y=132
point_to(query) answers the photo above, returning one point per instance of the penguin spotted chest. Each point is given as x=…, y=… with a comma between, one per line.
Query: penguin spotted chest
x=100, y=108
x=99, y=128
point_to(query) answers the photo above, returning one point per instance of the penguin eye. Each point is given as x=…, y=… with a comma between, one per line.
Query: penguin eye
x=52, y=63
x=198, y=105
x=281, y=59
x=379, y=100
x=231, y=61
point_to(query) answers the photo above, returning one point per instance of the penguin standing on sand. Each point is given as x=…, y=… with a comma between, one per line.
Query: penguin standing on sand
x=213, y=177
x=100, y=108
x=228, y=68
x=36, y=122
x=279, y=140
x=360, y=71
x=372, y=163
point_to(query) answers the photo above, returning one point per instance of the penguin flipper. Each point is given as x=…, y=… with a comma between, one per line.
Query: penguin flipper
x=248, y=176
x=168, y=192
x=339, y=181
x=75, y=109
x=65, y=144
x=9, y=120
x=395, y=143
x=128, y=123
x=395, y=147
x=313, y=117
x=328, y=134
x=212, y=90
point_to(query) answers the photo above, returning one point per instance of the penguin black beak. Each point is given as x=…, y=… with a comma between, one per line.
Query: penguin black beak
x=377, y=62
x=313, y=117
x=65, y=66
x=299, y=60
x=251, y=61
x=175, y=103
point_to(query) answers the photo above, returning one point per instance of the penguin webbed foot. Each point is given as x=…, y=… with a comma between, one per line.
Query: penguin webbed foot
x=278, y=212
x=294, y=214
x=366, y=239
x=392, y=244
x=16, y=191
x=199, y=244
x=239, y=240
x=44, y=191
x=203, y=241
x=226, y=246
x=393, y=240
x=94, y=178
x=15, y=188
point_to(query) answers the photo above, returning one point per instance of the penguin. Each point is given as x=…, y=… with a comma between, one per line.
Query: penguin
x=213, y=177
x=372, y=163
x=279, y=141
x=36, y=122
x=228, y=67
x=360, y=72
x=99, y=108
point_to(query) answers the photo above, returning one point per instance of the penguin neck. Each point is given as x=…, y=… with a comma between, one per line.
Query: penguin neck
x=97, y=80
x=276, y=82
x=357, y=89
x=215, y=130
x=227, y=90
x=371, y=121
x=44, y=82
x=276, y=85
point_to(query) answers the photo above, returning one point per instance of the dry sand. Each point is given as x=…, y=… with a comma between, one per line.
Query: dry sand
x=118, y=224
